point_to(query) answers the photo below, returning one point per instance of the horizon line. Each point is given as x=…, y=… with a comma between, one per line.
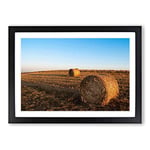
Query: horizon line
x=79, y=69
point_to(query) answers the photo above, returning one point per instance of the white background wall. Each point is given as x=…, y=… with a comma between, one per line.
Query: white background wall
x=73, y=12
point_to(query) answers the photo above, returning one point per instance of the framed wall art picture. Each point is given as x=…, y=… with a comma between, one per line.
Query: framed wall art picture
x=75, y=74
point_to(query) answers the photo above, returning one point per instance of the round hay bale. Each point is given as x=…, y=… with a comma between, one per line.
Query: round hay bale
x=74, y=72
x=99, y=89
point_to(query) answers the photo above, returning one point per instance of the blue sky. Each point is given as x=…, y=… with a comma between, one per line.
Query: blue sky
x=83, y=53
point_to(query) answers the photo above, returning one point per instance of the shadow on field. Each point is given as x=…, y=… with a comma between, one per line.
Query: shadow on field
x=59, y=92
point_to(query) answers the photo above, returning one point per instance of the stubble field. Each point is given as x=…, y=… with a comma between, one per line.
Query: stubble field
x=56, y=90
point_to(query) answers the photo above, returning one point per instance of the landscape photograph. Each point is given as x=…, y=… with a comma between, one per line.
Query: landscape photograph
x=75, y=74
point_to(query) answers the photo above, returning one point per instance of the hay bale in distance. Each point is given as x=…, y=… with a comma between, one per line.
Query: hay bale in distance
x=99, y=89
x=74, y=72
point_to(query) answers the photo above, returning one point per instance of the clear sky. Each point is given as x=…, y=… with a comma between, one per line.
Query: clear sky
x=83, y=53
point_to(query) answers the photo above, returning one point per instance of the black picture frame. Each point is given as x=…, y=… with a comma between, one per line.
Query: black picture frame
x=138, y=74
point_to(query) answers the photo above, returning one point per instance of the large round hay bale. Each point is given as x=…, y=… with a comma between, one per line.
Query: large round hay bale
x=74, y=72
x=99, y=89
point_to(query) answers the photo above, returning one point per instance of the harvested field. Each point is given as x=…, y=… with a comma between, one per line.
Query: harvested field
x=56, y=90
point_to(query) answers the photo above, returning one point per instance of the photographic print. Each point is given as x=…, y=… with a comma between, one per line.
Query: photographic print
x=75, y=72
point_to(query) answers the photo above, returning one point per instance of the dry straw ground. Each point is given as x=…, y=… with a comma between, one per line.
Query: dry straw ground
x=56, y=90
